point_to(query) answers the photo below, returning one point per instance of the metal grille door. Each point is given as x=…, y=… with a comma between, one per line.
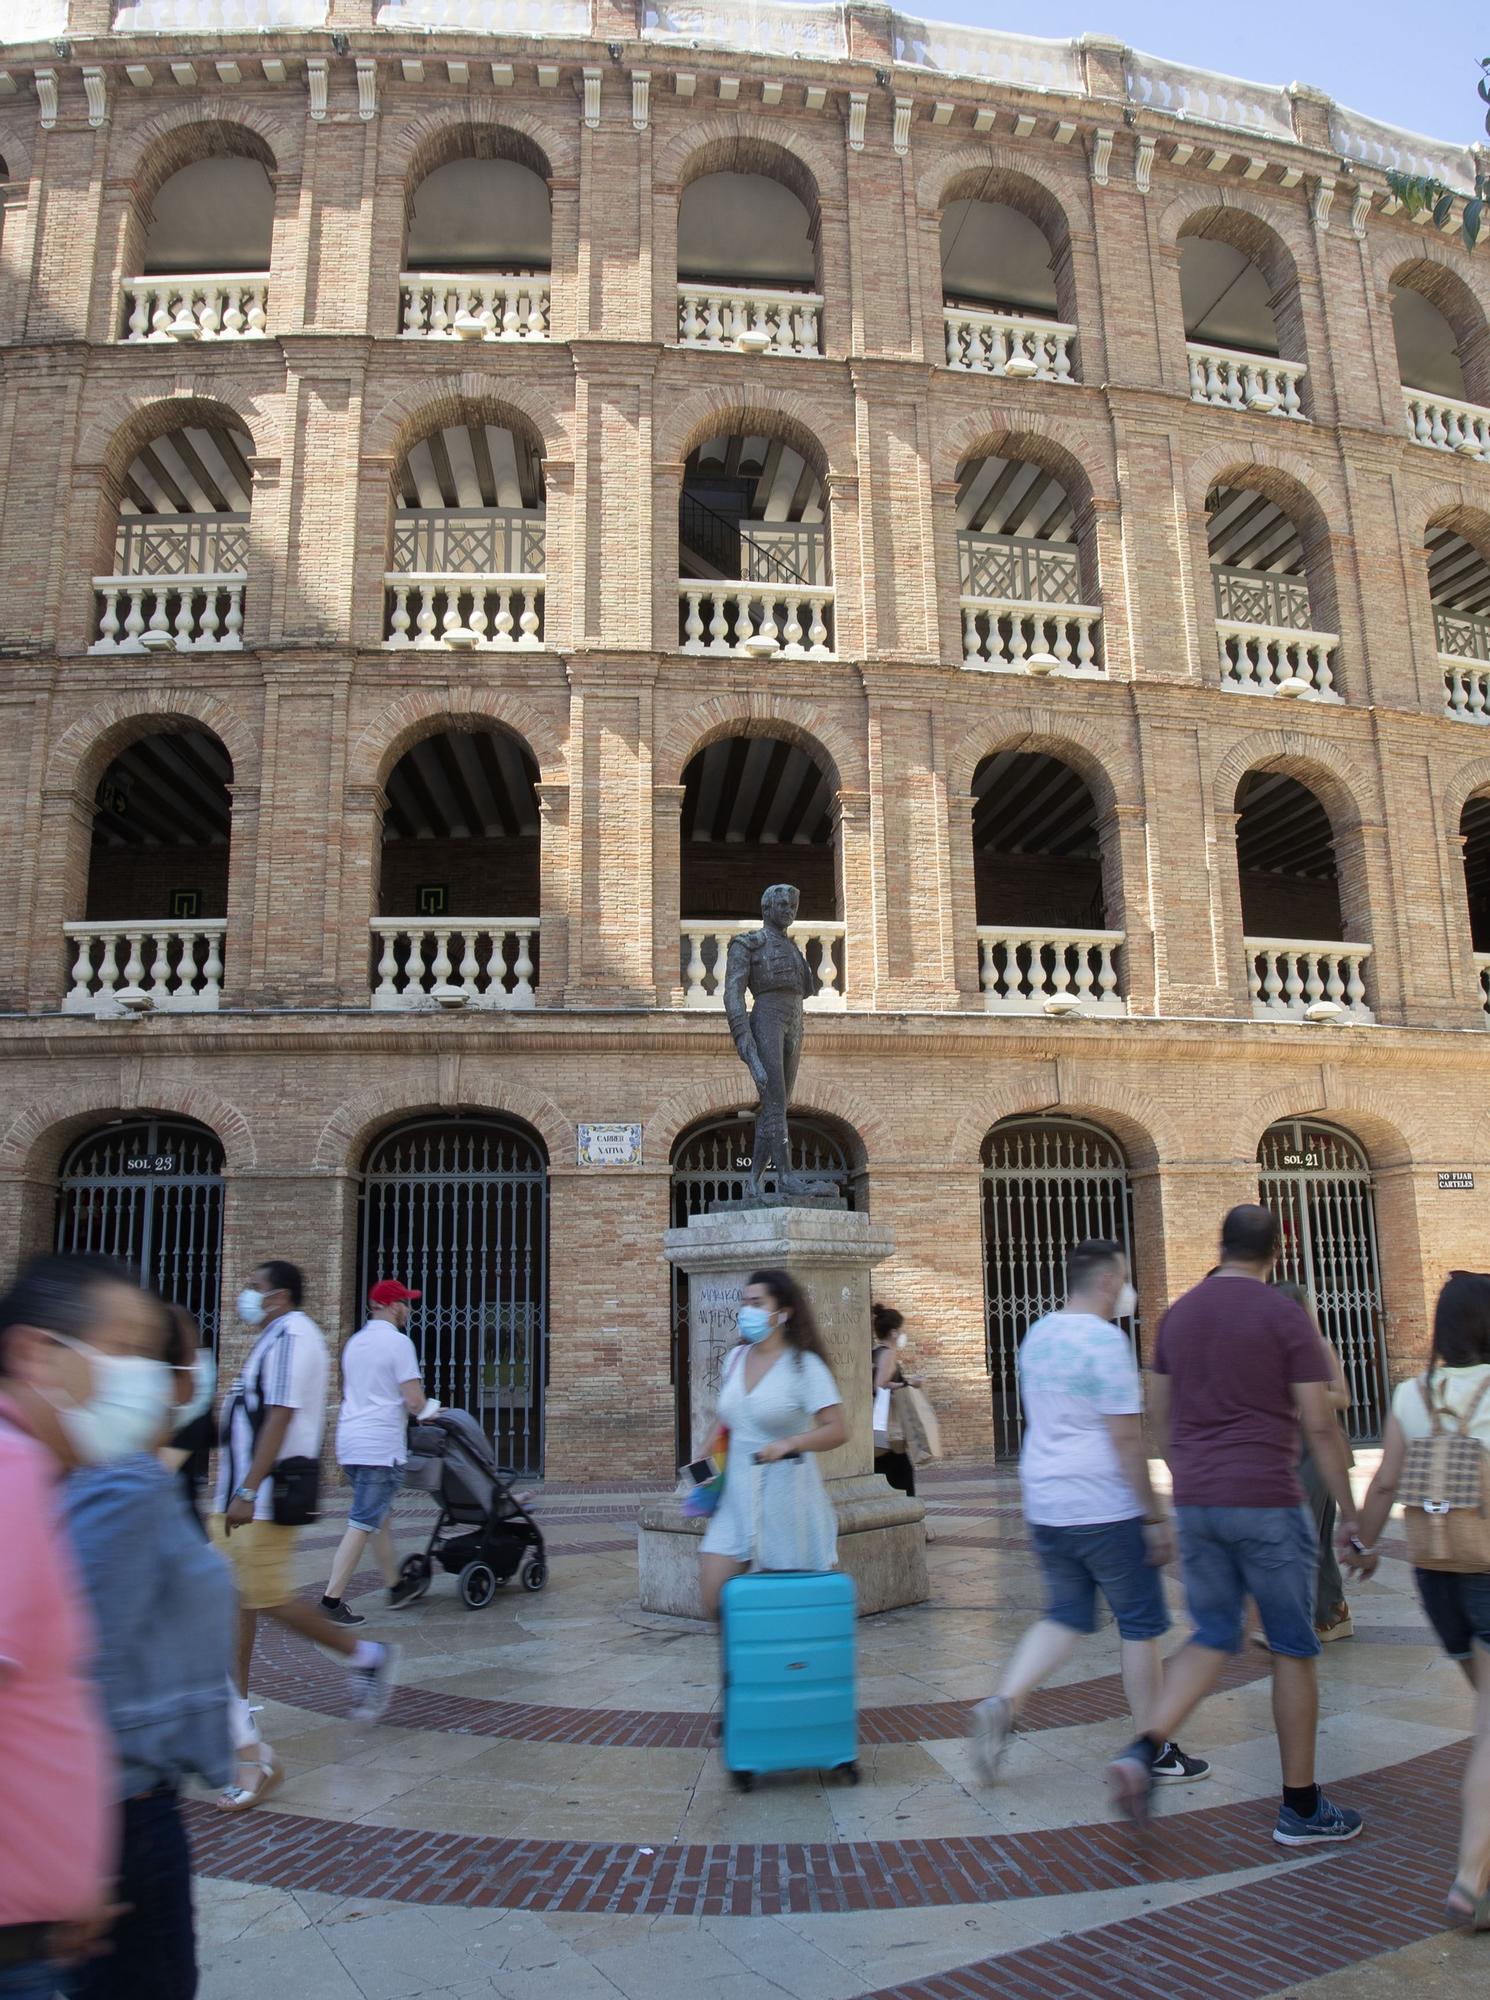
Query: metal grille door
x=149, y=1192
x=1318, y=1183
x=1047, y=1184
x=457, y=1208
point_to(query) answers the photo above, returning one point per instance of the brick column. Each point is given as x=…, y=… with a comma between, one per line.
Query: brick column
x=612, y=937
x=298, y=894
x=324, y=415
x=935, y=1277
x=360, y=860
x=238, y=939
x=614, y=484
x=1121, y=835
x=964, y=899
x=554, y=915
x=857, y=898
x=1196, y=909
x=911, y=843
x=667, y=892
x=65, y=834
x=898, y=592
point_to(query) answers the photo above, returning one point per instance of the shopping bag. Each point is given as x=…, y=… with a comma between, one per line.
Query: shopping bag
x=922, y=1433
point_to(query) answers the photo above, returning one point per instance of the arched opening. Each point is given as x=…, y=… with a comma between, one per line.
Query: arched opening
x=758, y=810
x=148, y=1190
x=157, y=884
x=754, y=511
x=1008, y=301
x=469, y=537
x=1459, y=586
x=1443, y=358
x=1474, y=836
x=1317, y=1181
x=455, y=1205
x=1274, y=592
x=458, y=886
x=1044, y=942
x=180, y=549
x=710, y=1165
x=748, y=270
x=479, y=239
x=1048, y=1184
x=201, y=239
x=1026, y=570
x=1244, y=328
x=1299, y=966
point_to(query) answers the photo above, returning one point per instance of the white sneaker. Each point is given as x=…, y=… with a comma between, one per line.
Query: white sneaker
x=372, y=1687
x=992, y=1722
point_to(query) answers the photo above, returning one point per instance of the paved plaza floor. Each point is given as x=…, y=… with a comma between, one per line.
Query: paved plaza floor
x=543, y=1814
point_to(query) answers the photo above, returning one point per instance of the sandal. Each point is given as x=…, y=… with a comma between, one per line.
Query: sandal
x=1465, y=1909
x=268, y=1776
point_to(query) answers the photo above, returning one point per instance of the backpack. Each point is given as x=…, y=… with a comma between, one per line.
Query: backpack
x=1445, y=1491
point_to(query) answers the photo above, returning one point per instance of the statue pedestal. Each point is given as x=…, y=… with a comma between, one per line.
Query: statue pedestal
x=830, y=1252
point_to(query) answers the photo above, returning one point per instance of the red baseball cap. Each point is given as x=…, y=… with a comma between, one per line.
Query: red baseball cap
x=389, y=1292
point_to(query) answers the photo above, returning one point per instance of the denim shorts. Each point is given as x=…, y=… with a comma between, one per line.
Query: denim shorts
x=373, y=1488
x=1110, y=1557
x=1269, y=1554
x=1457, y=1607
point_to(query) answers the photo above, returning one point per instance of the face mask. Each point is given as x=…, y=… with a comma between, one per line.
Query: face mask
x=126, y=1412
x=755, y=1323
x=900, y=1340
x=251, y=1306
x=1127, y=1302
x=204, y=1381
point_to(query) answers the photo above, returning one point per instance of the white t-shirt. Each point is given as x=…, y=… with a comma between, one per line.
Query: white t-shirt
x=287, y=1369
x=1454, y=1389
x=1075, y=1371
x=373, y=1426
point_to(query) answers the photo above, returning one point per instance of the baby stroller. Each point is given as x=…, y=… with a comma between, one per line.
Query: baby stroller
x=450, y=1456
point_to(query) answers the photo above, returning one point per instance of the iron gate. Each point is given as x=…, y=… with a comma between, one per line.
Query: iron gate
x=1318, y=1183
x=457, y=1208
x=1047, y=1184
x=711, y=1164
x=149, y=1192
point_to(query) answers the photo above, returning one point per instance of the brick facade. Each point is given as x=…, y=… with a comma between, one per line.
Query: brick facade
x=297, y=1076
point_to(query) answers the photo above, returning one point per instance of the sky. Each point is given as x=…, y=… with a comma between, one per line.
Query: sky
x=1413, y=66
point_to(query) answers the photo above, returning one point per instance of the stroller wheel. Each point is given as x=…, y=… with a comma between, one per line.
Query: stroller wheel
x=535, y=1576
x=478, y=1585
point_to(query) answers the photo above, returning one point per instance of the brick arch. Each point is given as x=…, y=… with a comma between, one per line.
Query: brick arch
x=479, y=128
x=1275, y=238
x=856, y=1115
x=430, y=711
x=205, y=129
x=86, y=748
x=790, y=414
x=1469, y=779
x=1292, y=479
x=411, y=413
x=1072, y=454
x=762, y=714
x=1132, y=1119
x=16, y=150
x=745, y=142
x=1354, y=1107
x=359, y=1121
x=37, y=1137
x=1328, y=771
x=128, y=422
x=1453, y=282
x=1085, y=746
x=1466, y=514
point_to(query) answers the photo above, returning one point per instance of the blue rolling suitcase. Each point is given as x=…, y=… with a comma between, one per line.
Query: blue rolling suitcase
x=789, y=1687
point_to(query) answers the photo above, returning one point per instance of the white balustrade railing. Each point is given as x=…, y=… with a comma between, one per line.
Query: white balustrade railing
x=1208, y=97
x=989, y=343
x=1058, y=971
x=1029, y=61
x=1466, y=689
x=192, y=614
x=756, y=320
x=1294, y=979
x=1258, y=382
x=457, y=611
x=792, y=619
x=1357, y=137
x=454, y=305
x=1005, y=635
x=216, y=17
x=174, y=968
x=1277, y=660
x=488, y=17
x=705, y=947
x=1446, y=425
x=766, y=27
x=456, y=962
x=1482, y=966
x=225, y=306
x=1462, y=635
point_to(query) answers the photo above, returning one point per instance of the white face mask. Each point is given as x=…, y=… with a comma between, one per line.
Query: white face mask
x=204, y=1381
x=900, y=1340
x=127, y=1410
x=251, y=1306
x=1127, y=1302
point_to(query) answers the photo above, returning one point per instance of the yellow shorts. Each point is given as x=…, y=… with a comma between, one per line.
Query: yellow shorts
x=261, y=1556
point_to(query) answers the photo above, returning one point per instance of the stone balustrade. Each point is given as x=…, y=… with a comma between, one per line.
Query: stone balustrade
x=1277, y=660
x=1013, y=345
x=216, y=306
x=1447, y=425
x=794, y=620
x=462, y=612
x=705, y=944
x=1295, y=979
x=754, y=321
x=1059, y=971
x=1260, y=383
x=176, y=969
x=1466, y=690
x=455, y=305
x=190, y=614
x=456, y=962
x=1482, y=966
x=1004, y=635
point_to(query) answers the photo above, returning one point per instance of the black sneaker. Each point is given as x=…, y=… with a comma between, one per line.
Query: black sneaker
x=408, y=1590
x=1173, y=1767
x=372, y=1687
x=339, y=1614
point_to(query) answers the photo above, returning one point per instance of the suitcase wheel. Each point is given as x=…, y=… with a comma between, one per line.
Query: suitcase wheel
x=743, y=1781
x=851, y=1772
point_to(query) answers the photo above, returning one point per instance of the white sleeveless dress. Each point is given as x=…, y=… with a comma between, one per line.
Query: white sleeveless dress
x=796, y=1524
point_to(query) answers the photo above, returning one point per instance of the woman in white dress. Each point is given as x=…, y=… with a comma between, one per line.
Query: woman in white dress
x=778, y=1400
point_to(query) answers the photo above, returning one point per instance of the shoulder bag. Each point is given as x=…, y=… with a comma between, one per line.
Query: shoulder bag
x=296, y=1500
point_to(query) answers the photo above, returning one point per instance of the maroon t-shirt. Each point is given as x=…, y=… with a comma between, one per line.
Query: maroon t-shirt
x=1233, y=1349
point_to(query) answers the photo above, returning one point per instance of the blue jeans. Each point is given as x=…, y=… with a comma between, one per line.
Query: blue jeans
x=373, y=1488
x=34, y=1979
x=1111, y=1557
x=1270, y=1554
x=154, y=1946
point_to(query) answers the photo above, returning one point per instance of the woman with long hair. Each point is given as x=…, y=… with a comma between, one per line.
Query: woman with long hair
x=778, y=1402
x=890, y=1458
x=1457, y=1604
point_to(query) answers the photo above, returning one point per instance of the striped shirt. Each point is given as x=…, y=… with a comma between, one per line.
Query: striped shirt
x=287, y=1370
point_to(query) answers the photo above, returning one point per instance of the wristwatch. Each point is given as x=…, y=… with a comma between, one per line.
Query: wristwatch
x=249, y=1493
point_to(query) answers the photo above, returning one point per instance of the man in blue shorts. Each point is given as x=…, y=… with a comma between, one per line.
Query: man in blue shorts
x=1092, y=1514
x=1237, y=1368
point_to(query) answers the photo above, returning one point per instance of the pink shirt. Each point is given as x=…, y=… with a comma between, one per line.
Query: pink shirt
x=57, y=1782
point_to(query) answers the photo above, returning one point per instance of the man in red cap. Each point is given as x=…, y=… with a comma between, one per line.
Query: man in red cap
x=380, y=1391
